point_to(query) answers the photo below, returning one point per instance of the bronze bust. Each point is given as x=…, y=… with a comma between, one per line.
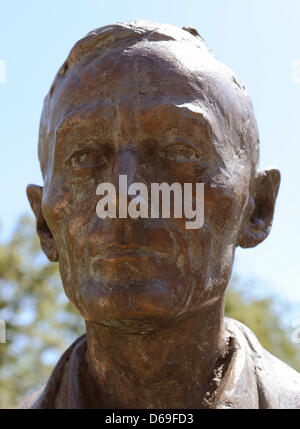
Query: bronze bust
x=150, y=101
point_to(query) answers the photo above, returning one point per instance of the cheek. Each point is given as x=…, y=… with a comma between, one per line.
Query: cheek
x=69, y=204
x=212, y=246
x=223, y=206
x=67, y=214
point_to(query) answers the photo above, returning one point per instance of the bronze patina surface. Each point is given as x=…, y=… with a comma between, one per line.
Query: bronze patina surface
x=151, y=101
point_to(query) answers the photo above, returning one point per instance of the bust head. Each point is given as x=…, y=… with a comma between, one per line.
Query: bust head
x=150, y=101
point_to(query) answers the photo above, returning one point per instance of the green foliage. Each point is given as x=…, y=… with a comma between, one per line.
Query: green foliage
x=41, y=323
x=263, y=319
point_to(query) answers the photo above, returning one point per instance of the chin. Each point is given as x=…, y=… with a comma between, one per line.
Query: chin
x=135, y=304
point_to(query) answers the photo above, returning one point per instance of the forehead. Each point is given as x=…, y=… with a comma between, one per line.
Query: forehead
x=145, y=76
x=145, y=66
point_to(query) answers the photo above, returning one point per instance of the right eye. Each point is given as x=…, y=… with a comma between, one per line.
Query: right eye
x=86, y=159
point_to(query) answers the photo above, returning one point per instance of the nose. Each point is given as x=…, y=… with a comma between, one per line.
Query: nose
x=125, y=163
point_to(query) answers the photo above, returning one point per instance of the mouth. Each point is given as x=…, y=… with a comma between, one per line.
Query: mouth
x=121, y=251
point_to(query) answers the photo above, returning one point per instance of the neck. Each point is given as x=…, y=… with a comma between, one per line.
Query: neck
x=177, y=365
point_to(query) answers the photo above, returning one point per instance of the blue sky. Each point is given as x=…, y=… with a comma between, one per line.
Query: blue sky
x=258, y=39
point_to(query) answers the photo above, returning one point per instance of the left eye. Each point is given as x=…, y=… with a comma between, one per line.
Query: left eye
x=179, y=152
x=85, y=159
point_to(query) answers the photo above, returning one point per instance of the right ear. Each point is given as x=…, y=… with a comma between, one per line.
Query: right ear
x=259, y=215
x=35, y=196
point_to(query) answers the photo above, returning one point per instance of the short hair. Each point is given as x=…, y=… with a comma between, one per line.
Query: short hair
x=123, y=34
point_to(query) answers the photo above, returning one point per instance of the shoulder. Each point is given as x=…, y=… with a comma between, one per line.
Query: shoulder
x=28, y=402
x=50, y=394
x=278, y=384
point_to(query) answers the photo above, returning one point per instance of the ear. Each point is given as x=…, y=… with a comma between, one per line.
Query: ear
x=259, y=212
x=35, y=196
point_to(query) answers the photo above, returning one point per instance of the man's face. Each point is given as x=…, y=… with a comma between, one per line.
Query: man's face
x=140, y=112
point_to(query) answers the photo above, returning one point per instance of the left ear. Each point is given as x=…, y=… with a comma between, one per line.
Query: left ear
x=258, y=218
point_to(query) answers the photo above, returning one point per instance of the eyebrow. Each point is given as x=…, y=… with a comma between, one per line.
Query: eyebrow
x=76, y=119
x=69, y=122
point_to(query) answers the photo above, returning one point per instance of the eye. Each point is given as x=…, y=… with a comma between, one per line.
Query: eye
x=180, y=153
x=86, y=158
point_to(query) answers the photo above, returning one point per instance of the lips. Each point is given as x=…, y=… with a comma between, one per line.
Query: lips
x=116, y=251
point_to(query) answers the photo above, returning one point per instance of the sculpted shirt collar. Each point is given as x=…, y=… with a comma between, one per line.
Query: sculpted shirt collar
x=254, y=378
